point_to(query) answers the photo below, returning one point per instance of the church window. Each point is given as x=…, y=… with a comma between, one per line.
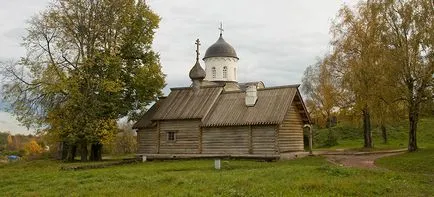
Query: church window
x=171, y=136
x=214, y=72
x=225, y=72
x=235, y=73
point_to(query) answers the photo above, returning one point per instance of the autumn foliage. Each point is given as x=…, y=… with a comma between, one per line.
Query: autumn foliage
x=380, y=65
x=33, y=148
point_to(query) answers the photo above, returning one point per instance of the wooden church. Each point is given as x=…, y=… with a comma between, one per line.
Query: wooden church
x=219, y=117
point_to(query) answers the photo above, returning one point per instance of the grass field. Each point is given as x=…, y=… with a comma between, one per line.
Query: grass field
x=419, y=162
x=352, y=138
x=409, y=174
x=312, y=176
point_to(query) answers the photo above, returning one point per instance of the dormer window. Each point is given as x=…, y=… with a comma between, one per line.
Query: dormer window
x=214, y=72
x=225, y=72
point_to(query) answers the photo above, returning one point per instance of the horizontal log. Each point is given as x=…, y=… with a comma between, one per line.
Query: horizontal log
x=211, y=156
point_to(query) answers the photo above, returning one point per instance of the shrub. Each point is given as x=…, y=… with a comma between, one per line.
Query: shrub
x=33, y=148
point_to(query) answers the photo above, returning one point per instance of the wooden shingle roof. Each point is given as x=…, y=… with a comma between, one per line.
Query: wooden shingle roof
x=218, y=108
x=187, y=103
x=270, y=108
x=146, y=120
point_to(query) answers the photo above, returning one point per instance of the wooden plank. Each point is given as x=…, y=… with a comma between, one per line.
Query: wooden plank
x=187, y=136
x=210, y=156
x=200, y=139
x=250, y=140
x=264, y=139
x=226, y=140
x=291, y=131
x=158, y=136
x=146, y=139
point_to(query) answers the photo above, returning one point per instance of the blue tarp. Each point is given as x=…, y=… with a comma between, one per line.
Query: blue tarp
x=13, y=157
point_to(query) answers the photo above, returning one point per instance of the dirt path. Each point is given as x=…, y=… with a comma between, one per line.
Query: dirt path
x=359, y=161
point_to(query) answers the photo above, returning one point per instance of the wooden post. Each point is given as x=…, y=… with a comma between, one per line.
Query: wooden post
x=250, y=140
x=217, y=164
x=310, y=137
x=200, y=139
x=276, y=139
x=158, y=137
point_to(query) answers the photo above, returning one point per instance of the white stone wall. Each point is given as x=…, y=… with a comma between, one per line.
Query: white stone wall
x=219, y=63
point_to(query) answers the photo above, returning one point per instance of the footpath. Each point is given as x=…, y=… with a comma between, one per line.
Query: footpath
x=357, y=159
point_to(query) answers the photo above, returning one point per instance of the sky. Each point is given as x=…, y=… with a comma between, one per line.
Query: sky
x=275, y=40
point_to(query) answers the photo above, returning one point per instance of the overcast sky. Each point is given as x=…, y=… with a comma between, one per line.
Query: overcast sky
x=275, y=40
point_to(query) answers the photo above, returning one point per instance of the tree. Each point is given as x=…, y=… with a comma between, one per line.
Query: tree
x=126, y=140
x=357, y=37
x=32, y=147
x=322, y=95
x=4, y=137
x=88, y=64
x=385, y=50
x=321, y=91
x=410, y=38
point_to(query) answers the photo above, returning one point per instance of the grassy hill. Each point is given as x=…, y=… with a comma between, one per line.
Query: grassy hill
x=349, y=137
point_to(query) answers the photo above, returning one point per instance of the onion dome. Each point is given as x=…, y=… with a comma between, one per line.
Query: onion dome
x=197, y=72
x=220, y=49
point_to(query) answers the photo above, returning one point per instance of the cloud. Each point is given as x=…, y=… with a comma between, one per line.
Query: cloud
x=9, y=123
x=275, y=40
x=15, y=34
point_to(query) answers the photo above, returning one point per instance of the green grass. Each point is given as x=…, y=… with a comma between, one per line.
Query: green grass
x=352, y=138
x=409, y=174
x=312, y=176
x=419, y=162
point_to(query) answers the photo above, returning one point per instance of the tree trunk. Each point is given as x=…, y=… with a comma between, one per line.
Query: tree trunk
x=83, y=151
x=96, y=152
x=63, y=151
x=329, y=121
x=384, y=133
x=72, y=150
x=413, y=117
x=367, y=128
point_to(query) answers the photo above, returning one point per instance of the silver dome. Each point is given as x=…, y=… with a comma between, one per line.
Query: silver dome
x=197, y=72
x=220, y=49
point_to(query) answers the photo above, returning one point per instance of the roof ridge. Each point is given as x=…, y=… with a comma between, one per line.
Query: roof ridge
x=280, y=87
x=201, y=87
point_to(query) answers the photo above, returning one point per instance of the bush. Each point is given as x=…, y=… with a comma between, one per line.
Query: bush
x=33, y=148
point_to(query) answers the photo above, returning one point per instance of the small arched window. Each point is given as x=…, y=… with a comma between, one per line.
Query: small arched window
x=235, y=73
x=214, y=72
x=225, y=72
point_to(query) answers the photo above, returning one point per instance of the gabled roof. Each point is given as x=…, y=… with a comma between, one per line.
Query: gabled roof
x=187, y=103
x=218, y=108
x=146, y=120
x=270, y=108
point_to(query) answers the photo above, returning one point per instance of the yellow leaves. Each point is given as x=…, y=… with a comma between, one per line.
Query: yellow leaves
x=33, y=147
x=105, y=129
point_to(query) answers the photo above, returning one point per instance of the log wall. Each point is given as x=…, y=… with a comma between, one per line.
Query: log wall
x=187, y=137
x=263, y=140
x=147, y=141
x=225, y=140
x=291, y=131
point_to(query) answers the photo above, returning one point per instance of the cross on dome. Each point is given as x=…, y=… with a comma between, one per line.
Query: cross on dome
x=197, y=49
x=221, y=28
